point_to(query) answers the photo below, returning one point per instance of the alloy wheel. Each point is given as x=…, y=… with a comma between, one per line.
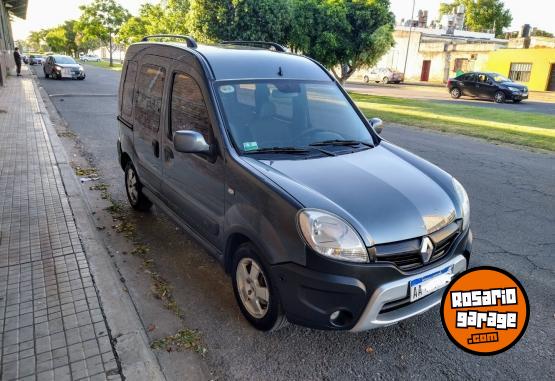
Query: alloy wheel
x=252, y=287
x=132, y=186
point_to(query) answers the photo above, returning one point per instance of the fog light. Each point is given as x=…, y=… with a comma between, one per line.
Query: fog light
x=341, y=318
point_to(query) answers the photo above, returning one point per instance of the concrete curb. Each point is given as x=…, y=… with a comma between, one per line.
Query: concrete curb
x=131, y=343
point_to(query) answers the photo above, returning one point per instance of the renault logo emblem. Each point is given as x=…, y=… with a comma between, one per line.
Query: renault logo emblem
x=426, y=249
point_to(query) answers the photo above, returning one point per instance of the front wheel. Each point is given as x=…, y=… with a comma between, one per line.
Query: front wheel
x=366, y=79
x=134, y=189
x=385, y=80
x=45, y=74
x=257, y=297
x=455, y=93
x=517, y=100
x=499, y=97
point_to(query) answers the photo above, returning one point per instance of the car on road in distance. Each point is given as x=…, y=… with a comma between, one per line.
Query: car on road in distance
x=36, y=59
x=487, y=86
x=59, y=66
x=383, y=75
x=263, y=157
x=90, y=57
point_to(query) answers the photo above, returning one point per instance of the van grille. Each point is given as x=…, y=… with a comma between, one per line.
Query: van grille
x=406, y=254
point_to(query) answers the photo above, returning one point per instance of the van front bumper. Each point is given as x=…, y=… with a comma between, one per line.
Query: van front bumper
x=365, y=296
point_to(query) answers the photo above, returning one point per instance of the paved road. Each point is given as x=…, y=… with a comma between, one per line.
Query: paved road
x=512, y=195
x=440, y=94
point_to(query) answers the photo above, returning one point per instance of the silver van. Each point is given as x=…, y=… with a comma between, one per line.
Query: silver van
x=264, y=159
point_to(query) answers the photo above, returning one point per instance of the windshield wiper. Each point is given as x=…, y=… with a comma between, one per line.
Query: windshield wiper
x=285, y=150
x=340, y=142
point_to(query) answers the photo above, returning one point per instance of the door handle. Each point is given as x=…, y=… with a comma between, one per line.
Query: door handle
x=156, y=148
x=168, y=153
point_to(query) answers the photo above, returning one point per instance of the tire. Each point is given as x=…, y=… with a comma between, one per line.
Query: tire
x=251, y=290
x=46, y=75
x=385, y=80
x=455, y=93
x=499, y=97
x=517, y=100
x=133, y=188
x=366, y=79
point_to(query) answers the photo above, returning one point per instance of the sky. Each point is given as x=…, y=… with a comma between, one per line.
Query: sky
x=45, y=14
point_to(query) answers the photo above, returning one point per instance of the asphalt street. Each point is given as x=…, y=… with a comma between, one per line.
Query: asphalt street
x=512, y=194
x=440, y=94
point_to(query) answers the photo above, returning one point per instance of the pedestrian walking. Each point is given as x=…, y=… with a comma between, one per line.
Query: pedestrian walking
x=17, y=58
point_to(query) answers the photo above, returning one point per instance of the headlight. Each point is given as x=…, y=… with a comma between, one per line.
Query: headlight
x=81, y=68
x=330, y=236
x=513, y=88
x=59, y=68
x=465, y=202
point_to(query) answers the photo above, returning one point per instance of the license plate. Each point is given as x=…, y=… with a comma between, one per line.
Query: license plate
x=420, y=287
x=66, y=73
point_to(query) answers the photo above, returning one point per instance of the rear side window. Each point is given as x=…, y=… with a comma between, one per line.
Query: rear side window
x=128, y=87
x=188, y=110
x=148, y=102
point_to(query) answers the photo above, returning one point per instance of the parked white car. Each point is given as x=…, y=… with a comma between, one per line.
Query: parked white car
x=384, y=75
x=90, y=57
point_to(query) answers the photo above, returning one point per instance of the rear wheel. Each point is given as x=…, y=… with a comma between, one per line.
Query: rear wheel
x=257, y=297
x=517, y=100
x=366, y=79
x=45, y=74
x=385, y=80
x=499, y=97
x=134, y=189
x=455, y=93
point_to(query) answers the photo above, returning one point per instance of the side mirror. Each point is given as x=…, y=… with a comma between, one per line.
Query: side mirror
x=377, y=125
x=188, y=141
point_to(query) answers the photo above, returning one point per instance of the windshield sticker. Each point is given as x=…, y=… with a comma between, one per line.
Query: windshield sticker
x=227, y=89
x=250, y=146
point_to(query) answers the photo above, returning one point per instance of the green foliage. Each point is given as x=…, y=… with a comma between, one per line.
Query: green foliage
x=155, y=19
x=541, y=33
x=101, y=20
x=481, y=15
x=254, y=20
x=57, y=40
x=345, y=33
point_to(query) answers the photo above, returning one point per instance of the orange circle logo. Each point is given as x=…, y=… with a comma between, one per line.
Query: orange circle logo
x=485, y=310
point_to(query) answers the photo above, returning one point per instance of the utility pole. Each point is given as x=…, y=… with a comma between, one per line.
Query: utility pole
x=408, y=43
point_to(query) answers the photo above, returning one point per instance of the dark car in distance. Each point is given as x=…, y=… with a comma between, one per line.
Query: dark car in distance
x=263, y=157
x=488, y=86
x=59, y=66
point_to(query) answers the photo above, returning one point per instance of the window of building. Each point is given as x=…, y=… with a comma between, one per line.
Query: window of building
x=128, y=87
x=461, y=64
x=148, y=102
x=520, y=72
x=188, y=110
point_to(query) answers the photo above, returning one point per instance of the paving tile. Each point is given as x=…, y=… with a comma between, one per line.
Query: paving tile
x=52, y=324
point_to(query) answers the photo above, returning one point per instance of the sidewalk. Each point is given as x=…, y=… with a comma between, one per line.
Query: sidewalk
x=53, y=327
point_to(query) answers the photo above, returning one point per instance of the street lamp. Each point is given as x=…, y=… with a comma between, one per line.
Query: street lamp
x=408, y=43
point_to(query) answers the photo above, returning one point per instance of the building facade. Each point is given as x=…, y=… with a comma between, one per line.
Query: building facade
x=534, y=67
x=435, y=55
x=8, y=8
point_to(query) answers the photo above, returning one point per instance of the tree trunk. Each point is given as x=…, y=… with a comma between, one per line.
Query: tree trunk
x=111, y=50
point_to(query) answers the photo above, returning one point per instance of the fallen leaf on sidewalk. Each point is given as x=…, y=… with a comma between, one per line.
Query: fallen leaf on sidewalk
x=369, y=350
x=151, y=327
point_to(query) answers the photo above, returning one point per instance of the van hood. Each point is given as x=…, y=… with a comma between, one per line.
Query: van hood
x=388, y=195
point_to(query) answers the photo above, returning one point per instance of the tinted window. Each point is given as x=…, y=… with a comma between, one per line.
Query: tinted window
x=188, y=110
x=148, y=102
x=128, y=87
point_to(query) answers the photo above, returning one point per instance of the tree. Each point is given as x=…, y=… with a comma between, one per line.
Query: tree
x=57, y=40
x=260, y=20
x=71, y=33
x=348, y=34
x=481, y=15
x=36, y=40
x=101, y=20
x=540, y=33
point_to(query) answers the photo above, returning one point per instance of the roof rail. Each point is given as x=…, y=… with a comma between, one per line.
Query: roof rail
x=191, y=43
x=267, y=45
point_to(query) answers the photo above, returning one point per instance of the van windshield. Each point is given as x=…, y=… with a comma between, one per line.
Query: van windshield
x=289, y=113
